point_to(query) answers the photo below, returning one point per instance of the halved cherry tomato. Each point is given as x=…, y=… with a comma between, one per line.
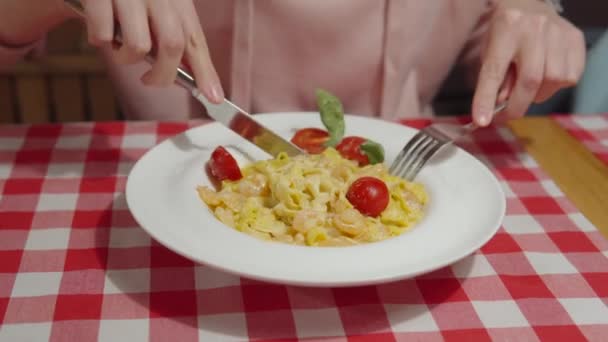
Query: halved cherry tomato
x=311, y=139
x=369, y=195
x=222, y=165
x=350, y=148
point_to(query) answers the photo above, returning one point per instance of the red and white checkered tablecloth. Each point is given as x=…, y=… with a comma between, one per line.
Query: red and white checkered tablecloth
x=74, y=265
x=591, y=130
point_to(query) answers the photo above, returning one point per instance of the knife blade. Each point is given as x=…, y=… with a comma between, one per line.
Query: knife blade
x=243, y=124
x=226, y=112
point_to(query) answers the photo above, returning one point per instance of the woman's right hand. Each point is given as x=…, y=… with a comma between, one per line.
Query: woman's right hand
x=169, y=27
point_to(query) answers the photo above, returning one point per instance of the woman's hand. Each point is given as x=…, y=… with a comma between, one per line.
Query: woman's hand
x=169, y=27
x=530, y=53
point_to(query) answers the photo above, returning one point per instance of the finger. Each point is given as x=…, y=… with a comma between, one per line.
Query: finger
x=530, y=63
x=556, y=64
x=169, y=44
x=498, y=56
x=507, y=86
x=100, y=21
x=576, y=56
x=133, y=18
x=197, y=53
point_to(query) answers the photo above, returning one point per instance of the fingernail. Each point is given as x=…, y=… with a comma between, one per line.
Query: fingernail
x=484, y=120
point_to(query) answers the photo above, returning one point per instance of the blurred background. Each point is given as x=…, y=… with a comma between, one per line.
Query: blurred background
x=68, y=81
x=64, y=80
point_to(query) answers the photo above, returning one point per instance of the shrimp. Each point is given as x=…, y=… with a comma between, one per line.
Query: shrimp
x=208, y=196
x=225, y=215
x=286, y=238
x=350, y=221
x=233, y=201
x=308, y=219
x=299, y=239
x=254, y=185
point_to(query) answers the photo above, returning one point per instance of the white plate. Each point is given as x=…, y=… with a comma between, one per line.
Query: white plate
x=466, y=208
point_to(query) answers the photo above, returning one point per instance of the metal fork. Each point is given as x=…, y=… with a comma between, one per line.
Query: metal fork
x=422, y=146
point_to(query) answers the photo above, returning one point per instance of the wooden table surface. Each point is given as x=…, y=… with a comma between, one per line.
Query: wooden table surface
x=578, y=173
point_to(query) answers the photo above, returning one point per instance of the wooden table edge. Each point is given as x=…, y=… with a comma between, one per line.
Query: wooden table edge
x=575, y=170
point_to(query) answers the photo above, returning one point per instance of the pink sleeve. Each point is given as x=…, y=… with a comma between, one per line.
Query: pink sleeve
x=9, y=55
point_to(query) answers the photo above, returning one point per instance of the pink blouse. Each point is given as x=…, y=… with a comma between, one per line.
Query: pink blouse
x=381, y=58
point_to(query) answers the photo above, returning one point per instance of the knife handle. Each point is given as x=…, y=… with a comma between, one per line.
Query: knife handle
x=183, y=77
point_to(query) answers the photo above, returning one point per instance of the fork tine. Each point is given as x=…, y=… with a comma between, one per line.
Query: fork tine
x=408, y=152
x=402, y=154
x=422, y=146
x=428, y=154
x=414, y=154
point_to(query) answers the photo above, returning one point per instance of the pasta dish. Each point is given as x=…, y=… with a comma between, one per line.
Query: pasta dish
x=336, y=195
x=302, y=200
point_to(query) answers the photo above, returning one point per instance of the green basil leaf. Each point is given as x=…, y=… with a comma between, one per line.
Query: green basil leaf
x=332, y=116
x=373, y=151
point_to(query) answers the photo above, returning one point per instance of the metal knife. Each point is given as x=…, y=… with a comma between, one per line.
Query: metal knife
x=226, y=113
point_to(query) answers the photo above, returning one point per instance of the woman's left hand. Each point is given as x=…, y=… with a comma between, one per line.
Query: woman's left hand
x=530, y=53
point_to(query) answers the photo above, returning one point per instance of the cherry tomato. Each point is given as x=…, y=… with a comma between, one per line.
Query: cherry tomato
x=311, y=139
x=222, y=165
x=369, y=195
x=350, y=148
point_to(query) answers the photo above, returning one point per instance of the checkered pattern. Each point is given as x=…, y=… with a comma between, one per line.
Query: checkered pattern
x=74, y=265
x=591, y=130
